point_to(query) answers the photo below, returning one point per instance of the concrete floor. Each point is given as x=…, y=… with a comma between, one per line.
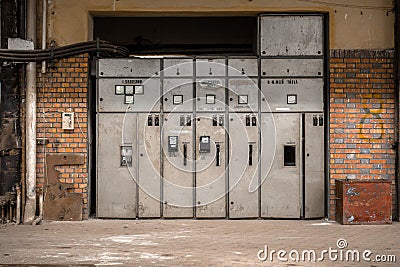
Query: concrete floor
x=192, y=242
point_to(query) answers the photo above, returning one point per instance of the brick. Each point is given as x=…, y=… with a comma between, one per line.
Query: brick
x=61, y=93
x=362, y=109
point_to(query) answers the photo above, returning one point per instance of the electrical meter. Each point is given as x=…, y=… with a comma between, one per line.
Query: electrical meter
x=205, y=146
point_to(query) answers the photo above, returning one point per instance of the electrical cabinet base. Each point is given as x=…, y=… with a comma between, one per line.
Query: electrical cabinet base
x=363, y=202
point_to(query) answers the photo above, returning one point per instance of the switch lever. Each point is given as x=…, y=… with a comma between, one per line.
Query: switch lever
x=214, y=121
x=250, y=154
x=247, y=120
x=218, y=160
x=315, y=120
x=184, y=154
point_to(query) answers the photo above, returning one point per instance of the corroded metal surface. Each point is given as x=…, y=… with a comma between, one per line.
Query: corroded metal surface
x=363, y=202
x=10, y=133
x=59, y=204
x=8, y=207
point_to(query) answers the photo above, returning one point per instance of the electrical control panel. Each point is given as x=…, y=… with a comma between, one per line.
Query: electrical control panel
x=221, y=136
x=68, y=121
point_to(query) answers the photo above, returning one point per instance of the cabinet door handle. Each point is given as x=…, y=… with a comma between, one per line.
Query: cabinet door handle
x=184, y=154
x=218, y=160
x=250, y=154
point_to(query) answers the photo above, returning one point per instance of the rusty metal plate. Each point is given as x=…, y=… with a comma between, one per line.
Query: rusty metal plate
x=363, y=202
x=59, y=204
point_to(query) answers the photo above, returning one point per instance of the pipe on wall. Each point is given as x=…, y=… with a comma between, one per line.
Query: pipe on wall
x=30, y=205
x=44, y=31
x=40, y=217
x=18, y=212
x=22, y=10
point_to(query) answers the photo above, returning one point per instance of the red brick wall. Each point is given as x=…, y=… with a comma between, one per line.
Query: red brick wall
x=64, y=88
x=362, y=117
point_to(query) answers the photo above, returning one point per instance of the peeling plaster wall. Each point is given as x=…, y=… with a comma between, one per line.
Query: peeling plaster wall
x=354, y=27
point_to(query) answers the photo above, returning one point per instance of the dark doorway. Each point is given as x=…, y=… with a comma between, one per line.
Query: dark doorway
x=180, y=35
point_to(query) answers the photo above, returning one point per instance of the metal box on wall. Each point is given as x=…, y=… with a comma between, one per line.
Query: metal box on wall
x=242, y=67
x=178, y=67
x=210, y=165
x=292, y=95
x=129, y=95
x=243, y=95
x=291, y=35
x=178, y=95
x=363, y=202
x=243, y=170
x=148, y=165
x=314, y=183
x=210, y=67
x=281, y=174
x=178, y=165
x=116, y=169
x=132, y=67
x=210, y=95
x=292, y=67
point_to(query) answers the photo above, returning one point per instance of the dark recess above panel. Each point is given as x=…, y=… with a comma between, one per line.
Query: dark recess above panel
x=180, y=35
